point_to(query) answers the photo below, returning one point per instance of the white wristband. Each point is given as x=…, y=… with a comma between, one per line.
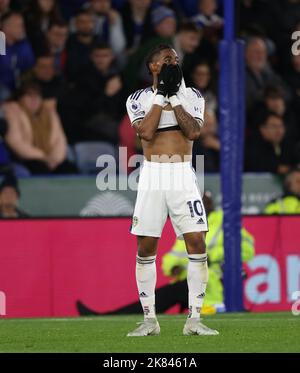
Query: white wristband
x=174, y=101
x=159, y=100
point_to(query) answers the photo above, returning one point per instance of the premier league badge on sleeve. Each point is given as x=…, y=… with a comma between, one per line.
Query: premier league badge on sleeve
x=135, y=106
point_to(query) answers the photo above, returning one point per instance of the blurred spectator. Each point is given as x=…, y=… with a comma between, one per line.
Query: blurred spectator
x=108, y=25
x=164, y=21
x=208, y=20
x=289, y=202
x=4, y=7
x=268, y=151
x=79, y=45
x=35, y=134
x=258, y=72
x=56, y=39
x=185, y=41
x=191, y=48
x=274, y=101
x=39, y=15
x=43, y=73
x=98, y=97
x=19, y=56
x=137, y=23
x=202, y=80
x=208, y=144
x=9, y=199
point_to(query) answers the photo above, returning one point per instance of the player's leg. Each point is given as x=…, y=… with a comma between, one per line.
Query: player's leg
x=188, y=217
x=197, y=278
x=146, y=281
x=197, y=271
x=146, y=273
x=150, y=214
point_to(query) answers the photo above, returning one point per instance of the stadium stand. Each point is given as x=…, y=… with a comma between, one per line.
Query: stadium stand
x=87, y=56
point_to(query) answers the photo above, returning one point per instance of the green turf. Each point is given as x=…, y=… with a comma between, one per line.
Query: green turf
x=239, y=332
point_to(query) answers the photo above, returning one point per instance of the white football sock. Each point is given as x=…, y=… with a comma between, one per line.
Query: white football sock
x=146, y=281
x=197, y=277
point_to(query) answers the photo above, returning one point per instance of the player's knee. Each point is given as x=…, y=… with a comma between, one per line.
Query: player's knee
x=147, y=246
x=195, y=244
x=146, y=251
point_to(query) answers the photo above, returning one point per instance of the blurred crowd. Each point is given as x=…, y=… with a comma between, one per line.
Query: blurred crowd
x=70, y=65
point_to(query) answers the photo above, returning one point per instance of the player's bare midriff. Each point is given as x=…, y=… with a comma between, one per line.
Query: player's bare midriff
x=168, y=143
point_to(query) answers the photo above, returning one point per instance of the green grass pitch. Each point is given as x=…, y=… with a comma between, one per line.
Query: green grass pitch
x=239, y=332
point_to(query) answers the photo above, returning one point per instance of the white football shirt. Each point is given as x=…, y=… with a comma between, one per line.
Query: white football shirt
x=140, y=102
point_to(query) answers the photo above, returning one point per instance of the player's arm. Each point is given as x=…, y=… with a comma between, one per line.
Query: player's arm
x=188, y=124
x=147, y=127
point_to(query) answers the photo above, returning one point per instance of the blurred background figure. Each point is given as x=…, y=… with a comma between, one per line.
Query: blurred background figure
x=108, y=25
x=19, y=56
x=208, y=20
x=45, y=75
x=9, y=198
x=259, y=73
x=39, y=15
x=80, y=43
x=209, y=143
x=274, y=101
x=35, y=134
x=4, y=7
x=91, y=114
x=289, y=202
x=269, y=151
x=55, y=45
x=137, y=25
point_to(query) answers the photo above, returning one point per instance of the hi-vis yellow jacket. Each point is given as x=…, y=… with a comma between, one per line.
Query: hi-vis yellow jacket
x=214, y=245
x=288, y=204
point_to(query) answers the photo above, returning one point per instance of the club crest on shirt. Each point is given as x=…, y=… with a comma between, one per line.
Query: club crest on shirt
x=135, y=106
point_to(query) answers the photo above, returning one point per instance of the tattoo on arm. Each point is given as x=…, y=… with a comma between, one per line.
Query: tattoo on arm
x=188, y=124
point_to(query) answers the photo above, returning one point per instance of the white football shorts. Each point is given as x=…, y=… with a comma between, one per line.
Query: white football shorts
x=168, y=189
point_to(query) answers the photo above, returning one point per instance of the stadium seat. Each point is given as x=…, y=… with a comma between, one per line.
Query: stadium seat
x=71, y=154
x=20, y=170
x=87, y=153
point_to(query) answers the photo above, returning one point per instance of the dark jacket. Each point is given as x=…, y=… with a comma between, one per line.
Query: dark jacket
x=19, y=58
x=261, y=156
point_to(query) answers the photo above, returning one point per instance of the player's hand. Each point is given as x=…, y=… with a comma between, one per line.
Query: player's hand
x=174, y=77
x=162, y=80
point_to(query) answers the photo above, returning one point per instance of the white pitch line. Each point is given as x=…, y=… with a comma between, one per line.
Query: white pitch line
x=160, y=318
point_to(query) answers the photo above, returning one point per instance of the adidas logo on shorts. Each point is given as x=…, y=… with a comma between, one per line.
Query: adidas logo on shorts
x=200, y=221
x=143, y=295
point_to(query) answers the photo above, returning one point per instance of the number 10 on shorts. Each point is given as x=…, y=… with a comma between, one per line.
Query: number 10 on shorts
x=196, y=208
